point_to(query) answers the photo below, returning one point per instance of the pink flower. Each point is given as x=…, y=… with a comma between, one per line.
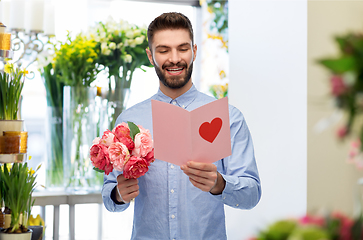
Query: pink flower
x=345, y=225
x=150, y=157
x=100, y=159
x=143, y=143
x=96, y=140
x=107, y=138
x=342, y=132
x=314, y=220
x=119, y=154
x=135, y=167
x=122, y=133
x=337, y=85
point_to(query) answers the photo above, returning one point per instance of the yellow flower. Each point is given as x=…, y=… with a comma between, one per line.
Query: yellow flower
x=25, y=72
x=31, y=171
x=89, y=60
x=222, y=74
x=8, y=68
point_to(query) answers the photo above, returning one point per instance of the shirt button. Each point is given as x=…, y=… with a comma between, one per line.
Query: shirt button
x=172, y=190
x=174, y=102
x=224, y=197
x=172, y=166
x=237, y=205
x=183, y=106
x=172, y=216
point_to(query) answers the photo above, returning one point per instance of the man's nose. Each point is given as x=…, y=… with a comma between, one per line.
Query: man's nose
x=174, y=57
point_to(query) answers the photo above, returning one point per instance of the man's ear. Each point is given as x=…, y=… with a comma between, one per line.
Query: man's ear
x=150, y=56
x=194, y=52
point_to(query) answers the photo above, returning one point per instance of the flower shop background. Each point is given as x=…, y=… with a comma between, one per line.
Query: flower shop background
x=302, y=166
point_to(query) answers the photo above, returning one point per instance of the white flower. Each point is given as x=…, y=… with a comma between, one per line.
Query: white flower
x=137, y=32
x=102, y=35
x=106, y=51
x=131, y=43
x=112, y=46
x=120, y=45
x=130, y=34
x=127, y=58
x=139, y=40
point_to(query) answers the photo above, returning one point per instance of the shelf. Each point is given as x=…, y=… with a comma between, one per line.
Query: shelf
x=6, y=54
x=12, y=158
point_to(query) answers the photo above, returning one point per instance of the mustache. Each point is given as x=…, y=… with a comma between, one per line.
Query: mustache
x=179, y=64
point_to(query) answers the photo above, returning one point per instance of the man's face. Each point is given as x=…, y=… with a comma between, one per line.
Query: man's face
x=172, y=55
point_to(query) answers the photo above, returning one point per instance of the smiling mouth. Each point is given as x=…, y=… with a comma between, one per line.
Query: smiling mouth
x=174, y=71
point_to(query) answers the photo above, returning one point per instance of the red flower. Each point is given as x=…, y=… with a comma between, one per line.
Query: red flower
x=122, y=133
x=100, y=159
x=150, y=157
x=135, y=167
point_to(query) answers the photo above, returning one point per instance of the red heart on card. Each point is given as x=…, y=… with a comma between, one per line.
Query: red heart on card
x=209, y=131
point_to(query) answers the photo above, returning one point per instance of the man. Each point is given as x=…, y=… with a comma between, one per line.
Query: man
x=186, y=202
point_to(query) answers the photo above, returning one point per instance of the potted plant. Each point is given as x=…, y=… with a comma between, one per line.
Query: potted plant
x=17, y=185
x=11, y=86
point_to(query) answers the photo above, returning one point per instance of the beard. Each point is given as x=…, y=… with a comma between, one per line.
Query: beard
x=174, y=82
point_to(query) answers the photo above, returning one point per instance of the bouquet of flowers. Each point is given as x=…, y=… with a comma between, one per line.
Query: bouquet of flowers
x=128, y=148
x=121, y=46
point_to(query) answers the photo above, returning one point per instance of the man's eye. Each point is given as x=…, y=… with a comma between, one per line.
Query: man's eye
x=163, y=51
x=184, y=49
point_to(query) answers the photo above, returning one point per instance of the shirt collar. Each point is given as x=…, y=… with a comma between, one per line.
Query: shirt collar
x=183, y=100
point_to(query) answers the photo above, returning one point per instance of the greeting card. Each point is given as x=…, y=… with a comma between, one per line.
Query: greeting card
x=202, y=134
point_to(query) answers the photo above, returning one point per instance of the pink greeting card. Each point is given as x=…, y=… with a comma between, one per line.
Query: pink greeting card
x=201, y=135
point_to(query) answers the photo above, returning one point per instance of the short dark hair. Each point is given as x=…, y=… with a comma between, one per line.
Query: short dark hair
x=171, y=20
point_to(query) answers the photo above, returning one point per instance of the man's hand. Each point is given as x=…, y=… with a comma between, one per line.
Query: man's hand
x=127, y=188
x=204, y=176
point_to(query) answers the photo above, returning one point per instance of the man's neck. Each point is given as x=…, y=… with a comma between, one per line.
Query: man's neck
x=174, y=93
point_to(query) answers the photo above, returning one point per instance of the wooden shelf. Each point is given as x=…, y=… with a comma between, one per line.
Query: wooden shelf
x=12, y=158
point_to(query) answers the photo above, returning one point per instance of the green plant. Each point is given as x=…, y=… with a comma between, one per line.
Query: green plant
x=11, y=86
x=17, y=185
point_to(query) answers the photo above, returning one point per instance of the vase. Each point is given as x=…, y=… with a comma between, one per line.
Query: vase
x=54, y=136
x=79, y=130
x=16, y=236
x=116, y=105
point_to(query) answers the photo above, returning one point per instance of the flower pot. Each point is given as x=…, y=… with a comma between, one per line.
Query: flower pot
x=37, y=232
x=11, y=125
x=16, y=236
x=2, y=219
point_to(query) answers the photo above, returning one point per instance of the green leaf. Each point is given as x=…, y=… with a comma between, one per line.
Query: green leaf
x=339, y=65
x=133, y=130
x=98, y=170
